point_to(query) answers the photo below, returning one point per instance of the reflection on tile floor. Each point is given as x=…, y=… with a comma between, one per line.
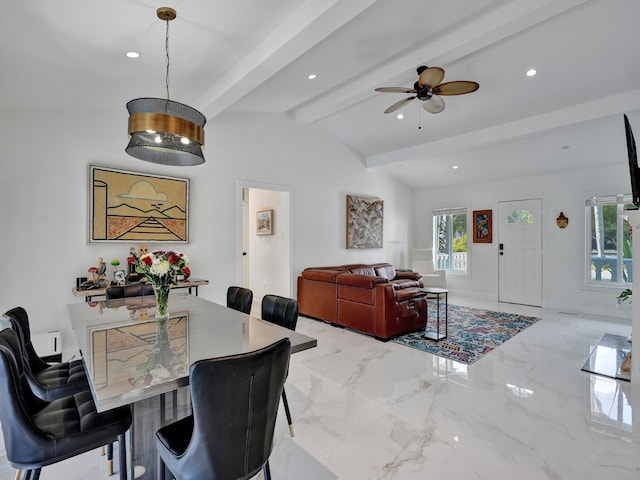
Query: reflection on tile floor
x=368, y=410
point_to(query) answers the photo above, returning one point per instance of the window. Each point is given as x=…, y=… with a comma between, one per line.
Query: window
x=450, y=239
x=520, y=216
x=608, y=236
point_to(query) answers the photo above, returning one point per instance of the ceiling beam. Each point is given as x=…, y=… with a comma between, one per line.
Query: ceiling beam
x=601, y=107
x=306, y=27
x=486, y=30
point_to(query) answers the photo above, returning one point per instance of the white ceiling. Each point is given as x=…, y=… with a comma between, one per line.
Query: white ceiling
x=255, y=55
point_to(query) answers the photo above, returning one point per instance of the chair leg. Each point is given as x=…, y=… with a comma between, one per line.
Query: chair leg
x=159, y=467
x=110, y=459
x=288, y=413
x=266, y=471
x=18, y=475
x=122, y=453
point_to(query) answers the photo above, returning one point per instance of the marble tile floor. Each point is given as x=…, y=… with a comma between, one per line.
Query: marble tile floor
x=368, y=410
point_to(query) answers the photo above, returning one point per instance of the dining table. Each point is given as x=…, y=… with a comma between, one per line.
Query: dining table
x=131, y=358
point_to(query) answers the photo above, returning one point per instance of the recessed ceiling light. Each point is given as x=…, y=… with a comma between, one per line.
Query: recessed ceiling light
x=531, y=72
x=455, y=167
x=133, y=54
x=399, y=116
x=313, y=76
x=566, y=147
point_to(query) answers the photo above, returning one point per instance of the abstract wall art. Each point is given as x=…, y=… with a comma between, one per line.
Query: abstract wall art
x=364, y=222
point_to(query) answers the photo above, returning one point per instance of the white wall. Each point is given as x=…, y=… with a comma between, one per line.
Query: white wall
x=43, y=201
x=563, y=250
x=269, y=255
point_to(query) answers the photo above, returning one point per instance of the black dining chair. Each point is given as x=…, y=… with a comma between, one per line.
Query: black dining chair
x=282, y=311
x=126, y=291
x=48, y=381
x=240, y=299
x=38, y=433
x=230, y=433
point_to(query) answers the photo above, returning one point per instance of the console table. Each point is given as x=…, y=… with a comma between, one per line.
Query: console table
x=192, y=284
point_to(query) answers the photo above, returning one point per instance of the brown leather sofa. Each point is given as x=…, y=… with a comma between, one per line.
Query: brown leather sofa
x=374, y=299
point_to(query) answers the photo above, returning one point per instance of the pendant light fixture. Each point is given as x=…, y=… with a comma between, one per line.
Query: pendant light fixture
x=161, y=130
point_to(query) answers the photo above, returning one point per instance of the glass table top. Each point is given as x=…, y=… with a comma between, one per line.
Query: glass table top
x=130, y=357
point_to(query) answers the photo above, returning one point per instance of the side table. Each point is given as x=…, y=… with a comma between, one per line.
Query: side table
x=437, y=293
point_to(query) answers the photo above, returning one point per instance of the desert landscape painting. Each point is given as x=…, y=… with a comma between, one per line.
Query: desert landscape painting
x=137, y=207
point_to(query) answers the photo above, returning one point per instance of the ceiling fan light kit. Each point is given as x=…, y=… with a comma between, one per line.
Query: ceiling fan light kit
x=164, y=131
x=429, y=89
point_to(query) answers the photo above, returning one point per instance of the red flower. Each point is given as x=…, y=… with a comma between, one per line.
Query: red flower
x=130, y=260
x=147, y=261
x=186, y=272
x=173, y=258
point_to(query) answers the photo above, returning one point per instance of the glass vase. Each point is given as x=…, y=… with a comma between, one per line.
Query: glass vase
x=162, y=300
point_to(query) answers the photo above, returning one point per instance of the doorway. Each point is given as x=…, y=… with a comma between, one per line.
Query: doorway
x=264, y=257
x=520, y=252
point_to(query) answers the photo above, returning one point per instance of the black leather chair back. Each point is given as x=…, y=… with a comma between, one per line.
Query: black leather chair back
x=20, y=323
x=280, y=310
x=38, y=433
x=125, y=291
x=240, y=299
x=235, y=402
x=49, y=382
x=17, y=402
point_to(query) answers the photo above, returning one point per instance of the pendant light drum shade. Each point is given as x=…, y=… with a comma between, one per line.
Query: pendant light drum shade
x=166, y=132
x=161, y=130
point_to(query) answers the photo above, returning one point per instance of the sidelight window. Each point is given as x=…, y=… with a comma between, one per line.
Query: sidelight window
x=450, y=239
x=608, y=240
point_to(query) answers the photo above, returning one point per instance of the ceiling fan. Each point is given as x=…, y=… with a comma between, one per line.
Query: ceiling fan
x=428, y=89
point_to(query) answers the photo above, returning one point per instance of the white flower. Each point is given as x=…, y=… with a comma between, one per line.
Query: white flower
x=160, y=267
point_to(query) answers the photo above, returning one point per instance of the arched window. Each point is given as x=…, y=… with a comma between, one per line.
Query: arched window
x=520, y=216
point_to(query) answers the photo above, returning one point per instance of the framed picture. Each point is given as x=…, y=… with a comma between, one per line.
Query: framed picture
x=264, y=222
x=119, y=276
x=364, y=222
x=128, y=206
x=482, y=226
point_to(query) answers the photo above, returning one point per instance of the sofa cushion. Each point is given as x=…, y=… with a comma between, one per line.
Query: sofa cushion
x=362, y=270
x=385, y=270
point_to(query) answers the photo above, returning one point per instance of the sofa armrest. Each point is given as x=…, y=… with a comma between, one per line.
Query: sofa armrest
x=321, y=275
x=357, y=280
x=408, y=274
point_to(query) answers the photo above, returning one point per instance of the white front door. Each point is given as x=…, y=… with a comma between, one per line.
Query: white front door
x=520, y=252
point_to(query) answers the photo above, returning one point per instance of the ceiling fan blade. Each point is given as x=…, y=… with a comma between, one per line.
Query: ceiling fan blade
x=398, y=105
x=395, y=90
x=435, y=104
x=431, y=77
x=456, y=88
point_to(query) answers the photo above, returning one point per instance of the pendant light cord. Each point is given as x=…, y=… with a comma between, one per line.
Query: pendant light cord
x=166, y=49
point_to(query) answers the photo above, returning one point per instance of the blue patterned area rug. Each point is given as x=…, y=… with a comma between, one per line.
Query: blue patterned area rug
x=472, y=332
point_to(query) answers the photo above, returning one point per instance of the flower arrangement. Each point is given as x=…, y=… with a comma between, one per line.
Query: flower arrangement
x=160, y=267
